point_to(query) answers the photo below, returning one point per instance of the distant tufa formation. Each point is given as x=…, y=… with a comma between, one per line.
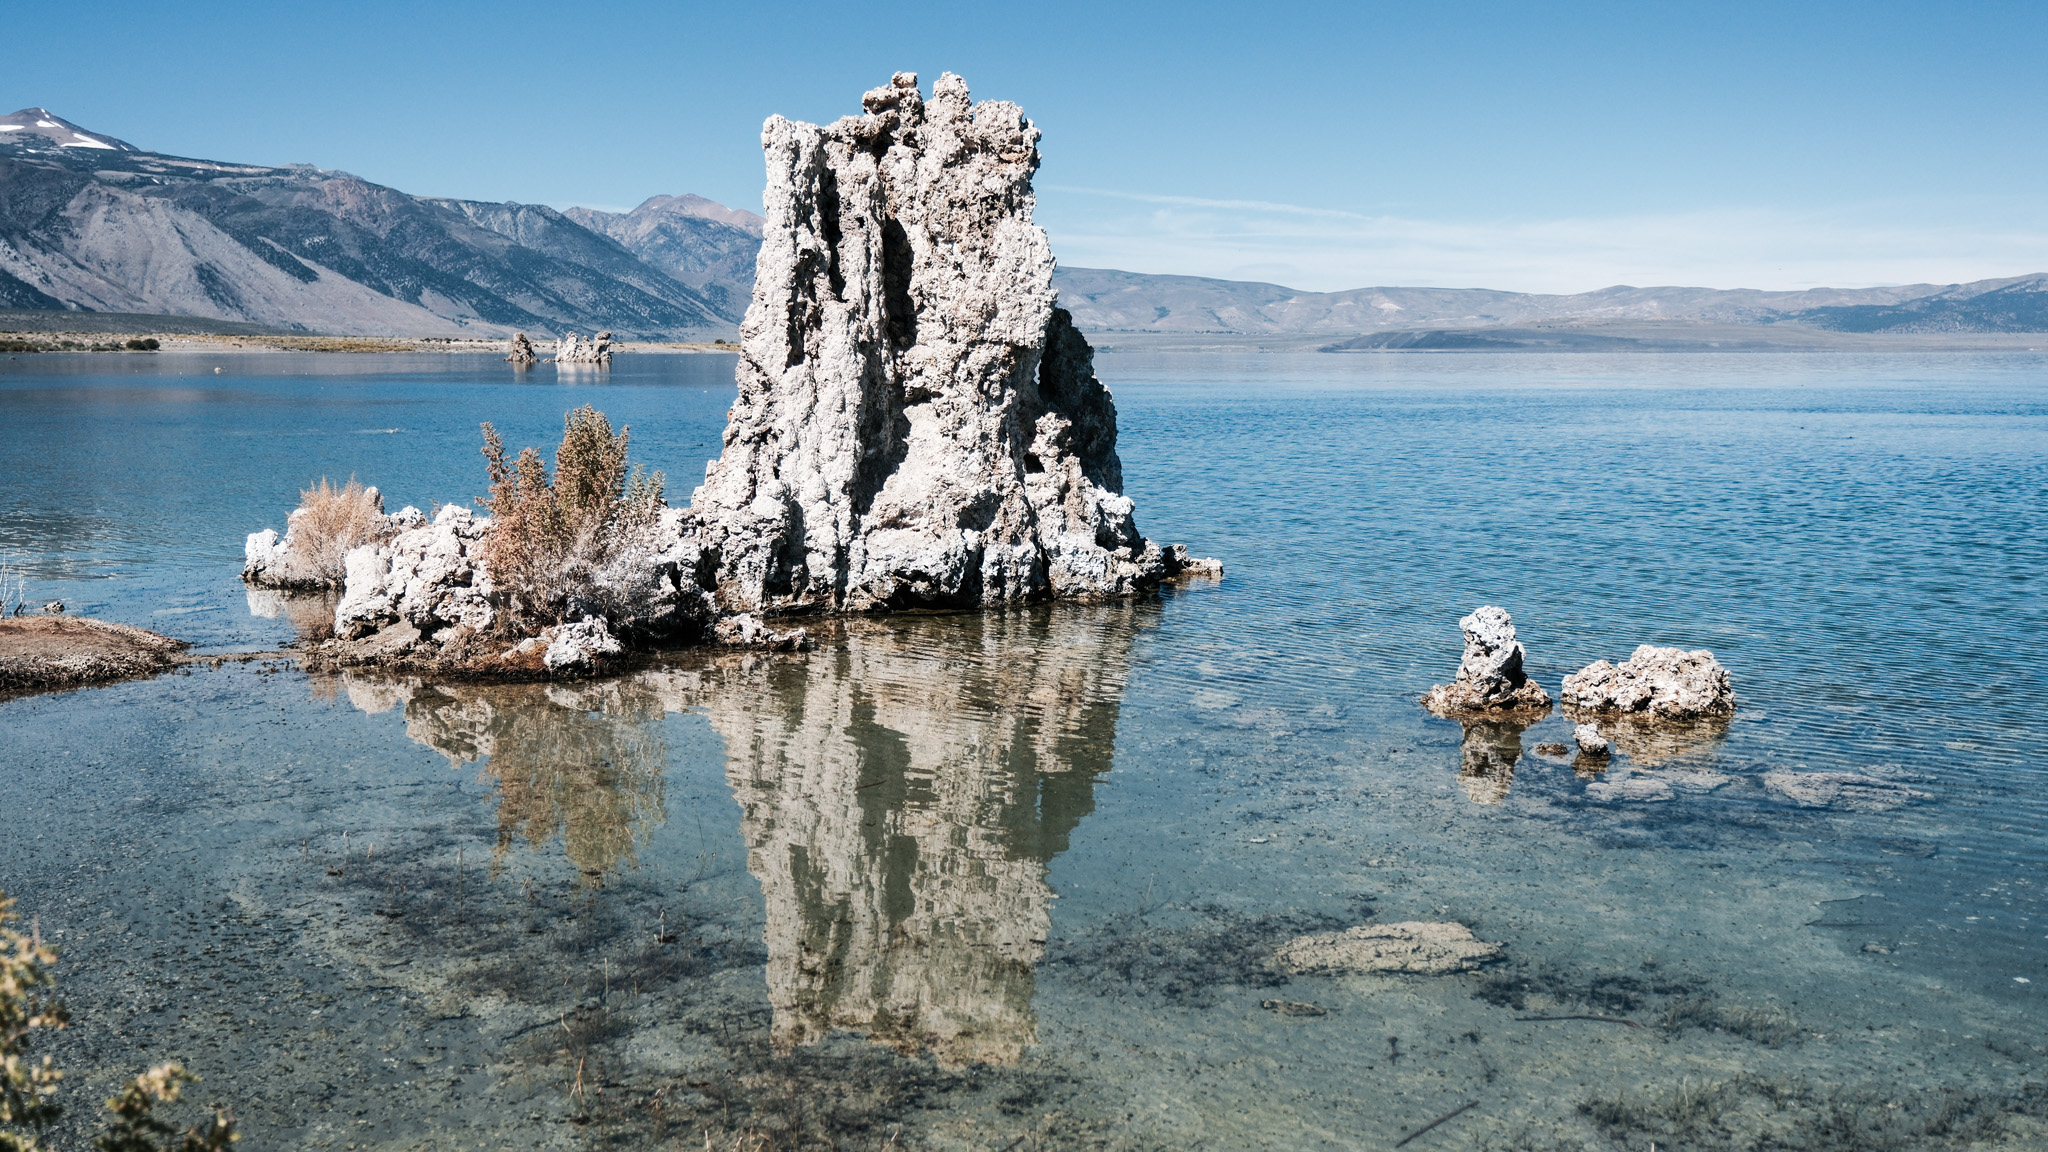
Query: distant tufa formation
x=917, y=423
x=596, y=350
x=522, y=351
x=917, y=426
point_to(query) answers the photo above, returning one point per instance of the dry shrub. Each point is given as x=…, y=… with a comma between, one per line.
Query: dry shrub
x=329, y=522
x=551, y=537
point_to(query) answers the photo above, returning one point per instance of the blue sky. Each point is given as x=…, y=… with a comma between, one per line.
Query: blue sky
x=1538, y=147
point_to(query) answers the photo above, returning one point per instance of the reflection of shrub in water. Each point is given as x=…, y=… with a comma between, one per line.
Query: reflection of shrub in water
x=1751, y=1112
x=1185, y=965
x=586, y=764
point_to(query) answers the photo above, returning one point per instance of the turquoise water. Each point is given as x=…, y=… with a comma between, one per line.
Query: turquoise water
x=1012, y=881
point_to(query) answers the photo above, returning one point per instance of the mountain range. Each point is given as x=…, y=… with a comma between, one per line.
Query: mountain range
x=92, y=223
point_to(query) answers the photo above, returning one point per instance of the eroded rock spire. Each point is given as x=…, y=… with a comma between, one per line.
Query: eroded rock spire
x=918, y=424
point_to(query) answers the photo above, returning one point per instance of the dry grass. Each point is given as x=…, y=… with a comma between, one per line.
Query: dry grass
x=550, y=536
x=328, y=523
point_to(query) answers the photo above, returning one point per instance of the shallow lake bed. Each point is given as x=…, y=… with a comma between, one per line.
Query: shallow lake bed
x=1015, y=880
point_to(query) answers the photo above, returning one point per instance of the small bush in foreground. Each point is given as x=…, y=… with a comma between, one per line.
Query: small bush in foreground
x=550, y=536
x=28, y=1089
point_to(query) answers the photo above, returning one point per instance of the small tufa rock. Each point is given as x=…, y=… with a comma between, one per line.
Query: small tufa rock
x=1490, y=677
x=579, y=648
x=1654, y=683
x=746, y=630
x=54, y=608
x=1415, y=946
x=522, y=350
x=1592, y=745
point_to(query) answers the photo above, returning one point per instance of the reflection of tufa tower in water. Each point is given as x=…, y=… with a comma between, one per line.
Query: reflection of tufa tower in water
x=901, y=797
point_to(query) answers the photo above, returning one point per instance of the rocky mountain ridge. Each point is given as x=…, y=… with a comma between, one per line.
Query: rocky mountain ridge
x=91, y=223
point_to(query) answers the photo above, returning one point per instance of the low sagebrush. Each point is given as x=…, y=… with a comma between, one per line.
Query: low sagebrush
x=328, y=523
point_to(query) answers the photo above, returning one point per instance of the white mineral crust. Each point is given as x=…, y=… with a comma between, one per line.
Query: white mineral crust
x=917, y=423
x=1656, y=683
x=429, y=577
x=1490, y=676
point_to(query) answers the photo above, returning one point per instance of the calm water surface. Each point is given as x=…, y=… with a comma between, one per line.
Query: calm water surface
x=1012, y=881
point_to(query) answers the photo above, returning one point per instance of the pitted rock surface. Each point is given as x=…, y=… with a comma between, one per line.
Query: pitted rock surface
x=1654, y=684
x=1490, y=677
x=429, y=577
x=917, y=423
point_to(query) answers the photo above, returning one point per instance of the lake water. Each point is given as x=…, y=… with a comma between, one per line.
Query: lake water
x=1012, y=881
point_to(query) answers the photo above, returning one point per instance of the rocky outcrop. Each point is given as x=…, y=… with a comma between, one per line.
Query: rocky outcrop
x=571, y=349
x=917, y=423
x=302, y=558
x=1490, y=677
x=1416, y=946
x=1657, y=684
x=429, y=578
x=522, y=351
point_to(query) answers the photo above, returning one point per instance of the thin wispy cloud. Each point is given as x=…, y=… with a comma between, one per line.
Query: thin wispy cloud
x=1327, y=249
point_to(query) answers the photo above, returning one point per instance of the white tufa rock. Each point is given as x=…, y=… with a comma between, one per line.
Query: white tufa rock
x=429, y=577
x=1490, y=677
x=572, y=350
x=1591, y=743
x=917, y=423
x=1415, y=946
x=579, y=647
x=1654, y=683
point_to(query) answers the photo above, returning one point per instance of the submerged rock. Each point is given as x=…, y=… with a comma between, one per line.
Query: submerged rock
x=522, y=350
x=572, y=350
x=917, y=424
x=1415, y=946
x=1852, y=790
x=1654, y=683
x=1490, y=677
